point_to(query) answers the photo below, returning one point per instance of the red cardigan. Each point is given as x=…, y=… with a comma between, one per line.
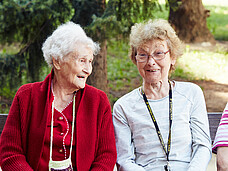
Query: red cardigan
x=22, y=138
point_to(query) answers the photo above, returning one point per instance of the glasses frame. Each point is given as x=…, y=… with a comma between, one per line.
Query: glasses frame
x=148, y=56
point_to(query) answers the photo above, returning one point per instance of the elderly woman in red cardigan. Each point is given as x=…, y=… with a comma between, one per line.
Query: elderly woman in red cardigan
x=60, y=123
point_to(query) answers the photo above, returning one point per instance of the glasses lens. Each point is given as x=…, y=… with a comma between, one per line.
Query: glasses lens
x=141, y=57
x=158, y=55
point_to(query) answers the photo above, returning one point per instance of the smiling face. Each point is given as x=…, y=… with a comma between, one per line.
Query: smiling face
x=75, y=68
x=153, y=71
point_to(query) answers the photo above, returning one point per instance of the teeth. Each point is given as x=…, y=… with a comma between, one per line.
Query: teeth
x=154, y=70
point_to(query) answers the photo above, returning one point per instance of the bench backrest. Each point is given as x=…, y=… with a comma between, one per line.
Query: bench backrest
x=214, y=119
x=2, y=121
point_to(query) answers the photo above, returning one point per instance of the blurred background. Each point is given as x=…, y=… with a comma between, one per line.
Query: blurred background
x=201, y=24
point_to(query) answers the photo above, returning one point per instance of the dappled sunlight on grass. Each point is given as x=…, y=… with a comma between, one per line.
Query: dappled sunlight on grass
x=215, y=2
x=205, y=65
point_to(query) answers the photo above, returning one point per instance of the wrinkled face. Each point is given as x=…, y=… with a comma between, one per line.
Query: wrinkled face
x=76, y=67
x=153, y=69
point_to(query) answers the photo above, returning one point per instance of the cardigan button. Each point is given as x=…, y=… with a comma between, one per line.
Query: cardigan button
x=60, y=118
x=60, y=150
x=61, y=134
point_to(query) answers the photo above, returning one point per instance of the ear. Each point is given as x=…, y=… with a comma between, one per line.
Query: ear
x=173, y=61
x=56, y=63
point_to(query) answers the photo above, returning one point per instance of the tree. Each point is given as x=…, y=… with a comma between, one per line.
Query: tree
x=84, y=10
x=34, y=20
x=27, y=23
x=108, y=21
x=188, y=18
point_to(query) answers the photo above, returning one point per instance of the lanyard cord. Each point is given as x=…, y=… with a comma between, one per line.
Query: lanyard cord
x=72, y=134
x=155, y=122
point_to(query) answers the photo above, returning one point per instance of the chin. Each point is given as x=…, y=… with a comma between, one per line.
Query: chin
x=81, y=86
x=152, y=81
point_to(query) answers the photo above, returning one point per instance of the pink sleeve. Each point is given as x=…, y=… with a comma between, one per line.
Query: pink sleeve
x=221, y=138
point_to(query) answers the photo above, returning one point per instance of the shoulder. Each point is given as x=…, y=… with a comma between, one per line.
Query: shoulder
x=129, y=99
x=187, y=87
x=94, y=96
x=37, y=87
x=189, y=91
x=94, y=92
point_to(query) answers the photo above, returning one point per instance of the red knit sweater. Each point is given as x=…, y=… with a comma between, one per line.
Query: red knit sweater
x=22, y=139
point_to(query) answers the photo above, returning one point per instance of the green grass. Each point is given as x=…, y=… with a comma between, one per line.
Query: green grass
x=120, y=68
x=218, y=22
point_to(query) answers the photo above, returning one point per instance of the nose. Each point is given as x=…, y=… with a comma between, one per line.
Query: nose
x=88, y=68
x=151, y=61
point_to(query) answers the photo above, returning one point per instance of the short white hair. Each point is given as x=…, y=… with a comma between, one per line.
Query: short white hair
x=65, y=40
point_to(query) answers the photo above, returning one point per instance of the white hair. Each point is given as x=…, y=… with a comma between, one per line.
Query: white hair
x=65, y=40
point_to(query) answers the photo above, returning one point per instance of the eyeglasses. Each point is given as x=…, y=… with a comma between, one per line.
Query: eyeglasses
x=157, y=55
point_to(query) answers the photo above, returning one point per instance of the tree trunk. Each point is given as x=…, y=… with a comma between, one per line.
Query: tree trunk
x=84, y=10
x=188, y=18
x=98, y=78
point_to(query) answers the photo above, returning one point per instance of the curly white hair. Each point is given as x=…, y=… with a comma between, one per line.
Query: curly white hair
x=65, y=40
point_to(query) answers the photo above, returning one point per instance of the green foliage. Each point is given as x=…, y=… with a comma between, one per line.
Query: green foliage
x=119, y=16
x=217, y=22
x=11, y=67
x=130, y=12
x=173, y=4
x=28, y=22
x=84, y=10
x=23, y=20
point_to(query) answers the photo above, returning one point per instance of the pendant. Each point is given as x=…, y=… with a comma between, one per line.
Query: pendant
x=64, y=165
x=167, y=167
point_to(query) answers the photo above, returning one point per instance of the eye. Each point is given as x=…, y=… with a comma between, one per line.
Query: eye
x=158, y=53
x=81, y=60
x=143, y=55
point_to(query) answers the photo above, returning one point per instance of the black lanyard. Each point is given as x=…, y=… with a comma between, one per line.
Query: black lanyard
x=156, y=125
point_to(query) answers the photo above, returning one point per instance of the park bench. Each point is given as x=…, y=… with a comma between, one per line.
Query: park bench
x=214, y=119
x=2, y=121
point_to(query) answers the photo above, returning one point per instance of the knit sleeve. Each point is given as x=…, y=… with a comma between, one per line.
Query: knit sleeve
x=124, y=142
x=12, y=155
x=201, y=142
x=106, y=152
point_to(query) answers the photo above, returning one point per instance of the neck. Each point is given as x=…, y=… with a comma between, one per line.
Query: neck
x=157, y=90
x=63, y=95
